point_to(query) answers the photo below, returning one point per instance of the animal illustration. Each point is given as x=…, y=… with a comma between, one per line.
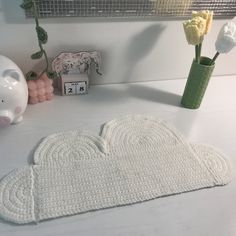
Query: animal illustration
x=67, y=62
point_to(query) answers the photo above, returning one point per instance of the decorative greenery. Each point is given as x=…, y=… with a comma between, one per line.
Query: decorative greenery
x=42, y=39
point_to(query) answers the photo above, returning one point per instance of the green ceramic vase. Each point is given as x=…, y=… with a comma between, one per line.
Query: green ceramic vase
x=197, y=82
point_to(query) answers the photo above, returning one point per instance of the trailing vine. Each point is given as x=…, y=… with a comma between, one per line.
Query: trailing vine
x=42, y=39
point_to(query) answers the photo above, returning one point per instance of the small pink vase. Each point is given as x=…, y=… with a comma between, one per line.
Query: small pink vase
x=40, y=90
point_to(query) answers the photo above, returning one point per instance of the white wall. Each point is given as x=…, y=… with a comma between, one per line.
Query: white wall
x=131, y=50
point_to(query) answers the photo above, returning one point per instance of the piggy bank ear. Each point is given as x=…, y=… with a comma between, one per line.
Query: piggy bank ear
x=12, y=73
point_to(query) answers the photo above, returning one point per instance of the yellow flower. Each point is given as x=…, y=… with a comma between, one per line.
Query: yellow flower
x=207, y=15
x=194, y=30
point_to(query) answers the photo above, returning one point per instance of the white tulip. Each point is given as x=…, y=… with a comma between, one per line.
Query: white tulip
x=226, y=39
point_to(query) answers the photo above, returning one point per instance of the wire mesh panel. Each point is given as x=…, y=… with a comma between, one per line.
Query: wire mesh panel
x=131, y=8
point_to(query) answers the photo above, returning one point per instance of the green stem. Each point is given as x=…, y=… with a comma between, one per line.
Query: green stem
x=46, y=58
x=196, y=53
x=214, y=58
x=35, y=13
x=199, y=51
x=39, y=43
x=47, y=64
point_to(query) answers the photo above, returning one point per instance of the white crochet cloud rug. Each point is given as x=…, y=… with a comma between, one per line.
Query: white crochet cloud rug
x=136, y=158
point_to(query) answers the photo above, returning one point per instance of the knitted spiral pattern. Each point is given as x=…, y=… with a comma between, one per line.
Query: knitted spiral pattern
x=135, y=134
x=16, y=196
x=136, y=158
x=68, y=148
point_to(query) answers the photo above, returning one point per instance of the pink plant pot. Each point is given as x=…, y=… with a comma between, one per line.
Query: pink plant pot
x=40, y=90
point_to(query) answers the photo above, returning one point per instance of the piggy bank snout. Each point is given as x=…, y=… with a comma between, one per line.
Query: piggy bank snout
x=6, y=119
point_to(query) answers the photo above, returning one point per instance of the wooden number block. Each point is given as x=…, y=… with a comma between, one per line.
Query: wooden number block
x=72, y=84
x=70, y=88
x=81, y=87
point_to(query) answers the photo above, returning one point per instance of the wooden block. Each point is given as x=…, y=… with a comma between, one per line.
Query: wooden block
x=71, y=84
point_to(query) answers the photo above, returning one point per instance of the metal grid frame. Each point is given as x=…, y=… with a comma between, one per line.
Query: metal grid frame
x=132, y=8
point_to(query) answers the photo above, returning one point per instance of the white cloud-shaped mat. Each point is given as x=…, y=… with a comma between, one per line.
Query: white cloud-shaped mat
x=136, y=158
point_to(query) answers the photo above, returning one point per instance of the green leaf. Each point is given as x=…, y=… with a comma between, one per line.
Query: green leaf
x=52, y=74
x=31, y=75
x=42, y=35
x=37, y=55
x=27, y=4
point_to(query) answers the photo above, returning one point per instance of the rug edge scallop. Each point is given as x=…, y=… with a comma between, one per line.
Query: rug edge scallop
x=216, y=162
x=17, y=196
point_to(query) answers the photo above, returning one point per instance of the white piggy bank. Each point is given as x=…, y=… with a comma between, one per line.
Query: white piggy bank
x=13, y=92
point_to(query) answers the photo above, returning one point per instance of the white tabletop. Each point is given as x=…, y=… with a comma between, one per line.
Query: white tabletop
x=199, y=213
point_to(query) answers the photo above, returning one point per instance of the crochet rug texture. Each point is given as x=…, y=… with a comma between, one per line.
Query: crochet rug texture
x=136, y=158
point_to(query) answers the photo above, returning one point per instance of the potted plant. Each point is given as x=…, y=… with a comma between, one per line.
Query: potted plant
x=39, y=86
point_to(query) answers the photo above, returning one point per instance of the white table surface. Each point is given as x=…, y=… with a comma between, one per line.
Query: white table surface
x=199, y=213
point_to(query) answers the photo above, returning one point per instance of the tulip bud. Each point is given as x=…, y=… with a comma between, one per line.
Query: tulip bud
x=207, y=15
x=226, y=39
x=195, y=30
